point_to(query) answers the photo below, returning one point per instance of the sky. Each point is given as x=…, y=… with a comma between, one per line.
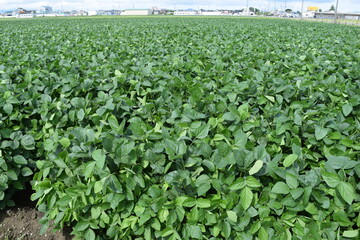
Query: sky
x=344, y=5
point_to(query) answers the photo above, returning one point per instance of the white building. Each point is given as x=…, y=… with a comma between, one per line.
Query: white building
x=25, y=15
x=91, y=13
x=46, y=15
x=308, y=14
x=185, y=13
x=213, y=13
x=136, y=12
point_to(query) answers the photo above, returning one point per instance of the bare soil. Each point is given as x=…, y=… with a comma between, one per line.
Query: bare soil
x=22, y=222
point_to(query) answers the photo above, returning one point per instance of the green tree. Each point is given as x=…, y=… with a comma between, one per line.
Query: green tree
x=288, y=10
x=332, y=8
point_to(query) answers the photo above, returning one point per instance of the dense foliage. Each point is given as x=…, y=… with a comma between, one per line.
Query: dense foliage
x=183, y=128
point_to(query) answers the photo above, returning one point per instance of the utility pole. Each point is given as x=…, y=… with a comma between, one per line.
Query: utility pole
x=336, y=10
x=274, y=5
x=302, y=9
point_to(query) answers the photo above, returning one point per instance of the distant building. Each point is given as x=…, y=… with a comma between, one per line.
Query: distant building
x=185, y=13
x=137, y=12
x=331, y=15
x=25, y=15
x=91, y=13
x=308, y=14
x=211, y=13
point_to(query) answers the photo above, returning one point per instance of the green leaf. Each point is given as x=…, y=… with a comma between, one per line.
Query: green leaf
x=232, y=215
x=203, y=184
x=166, y=232
x=89, y=169
x=224, y=149
x=28, y=142
x=203, y=203
x=252, y=182
x=99, y=156
x=280, y=188
x=346, y=191
x=98, y=186
x=246, y=197
x=65, y=142
x=95, y=212
x=8, y=108
x=195, y=231
x=202, y=131
x=18, y=159
x=81, y=226
x=340, y=162
x=292, y=180
x=320, y=132
x=331, y=179
x=26, y=171
x=290, y=159
x=90, y=234
x=80, y=114
x=257, y=166
x=347, y=109
x=351, y=233
x=238, y=184
x=225, y=229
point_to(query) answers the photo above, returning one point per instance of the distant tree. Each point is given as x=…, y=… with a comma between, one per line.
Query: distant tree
x=288, y=10
x=255, y=10
x=320, y=10
x=332, y=8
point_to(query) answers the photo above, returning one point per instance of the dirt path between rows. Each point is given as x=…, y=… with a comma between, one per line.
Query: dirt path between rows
x=22, y=222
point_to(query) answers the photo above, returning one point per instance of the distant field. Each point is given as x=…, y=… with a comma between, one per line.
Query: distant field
x=183, y=127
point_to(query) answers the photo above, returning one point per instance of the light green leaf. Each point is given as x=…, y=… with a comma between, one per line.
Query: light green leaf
x=257, y=166
x=346, y=191
x=99, y=156
x=203, y=203
x=90, y=234
x=80, y=114
x=351, y=233
x=238, y=184
x=8, y=108
x=232, y=215
x=202, y=131
x=246, y=197
x=331, y=179
x=347, y=109
x=290, y=159
x=167, y=231
x=65, y=142
x=280, y=188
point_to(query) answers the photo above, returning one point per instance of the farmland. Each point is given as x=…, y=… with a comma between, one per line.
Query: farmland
x=183, y=128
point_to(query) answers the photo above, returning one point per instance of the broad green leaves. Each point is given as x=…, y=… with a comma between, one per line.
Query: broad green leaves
x=200, y=132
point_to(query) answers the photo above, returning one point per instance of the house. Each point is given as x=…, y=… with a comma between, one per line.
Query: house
x=185, y=13
x=137, y=12
x=25, y=15
x=331, y=15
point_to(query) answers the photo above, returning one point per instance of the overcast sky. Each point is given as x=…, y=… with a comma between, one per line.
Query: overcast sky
x=344, y=5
